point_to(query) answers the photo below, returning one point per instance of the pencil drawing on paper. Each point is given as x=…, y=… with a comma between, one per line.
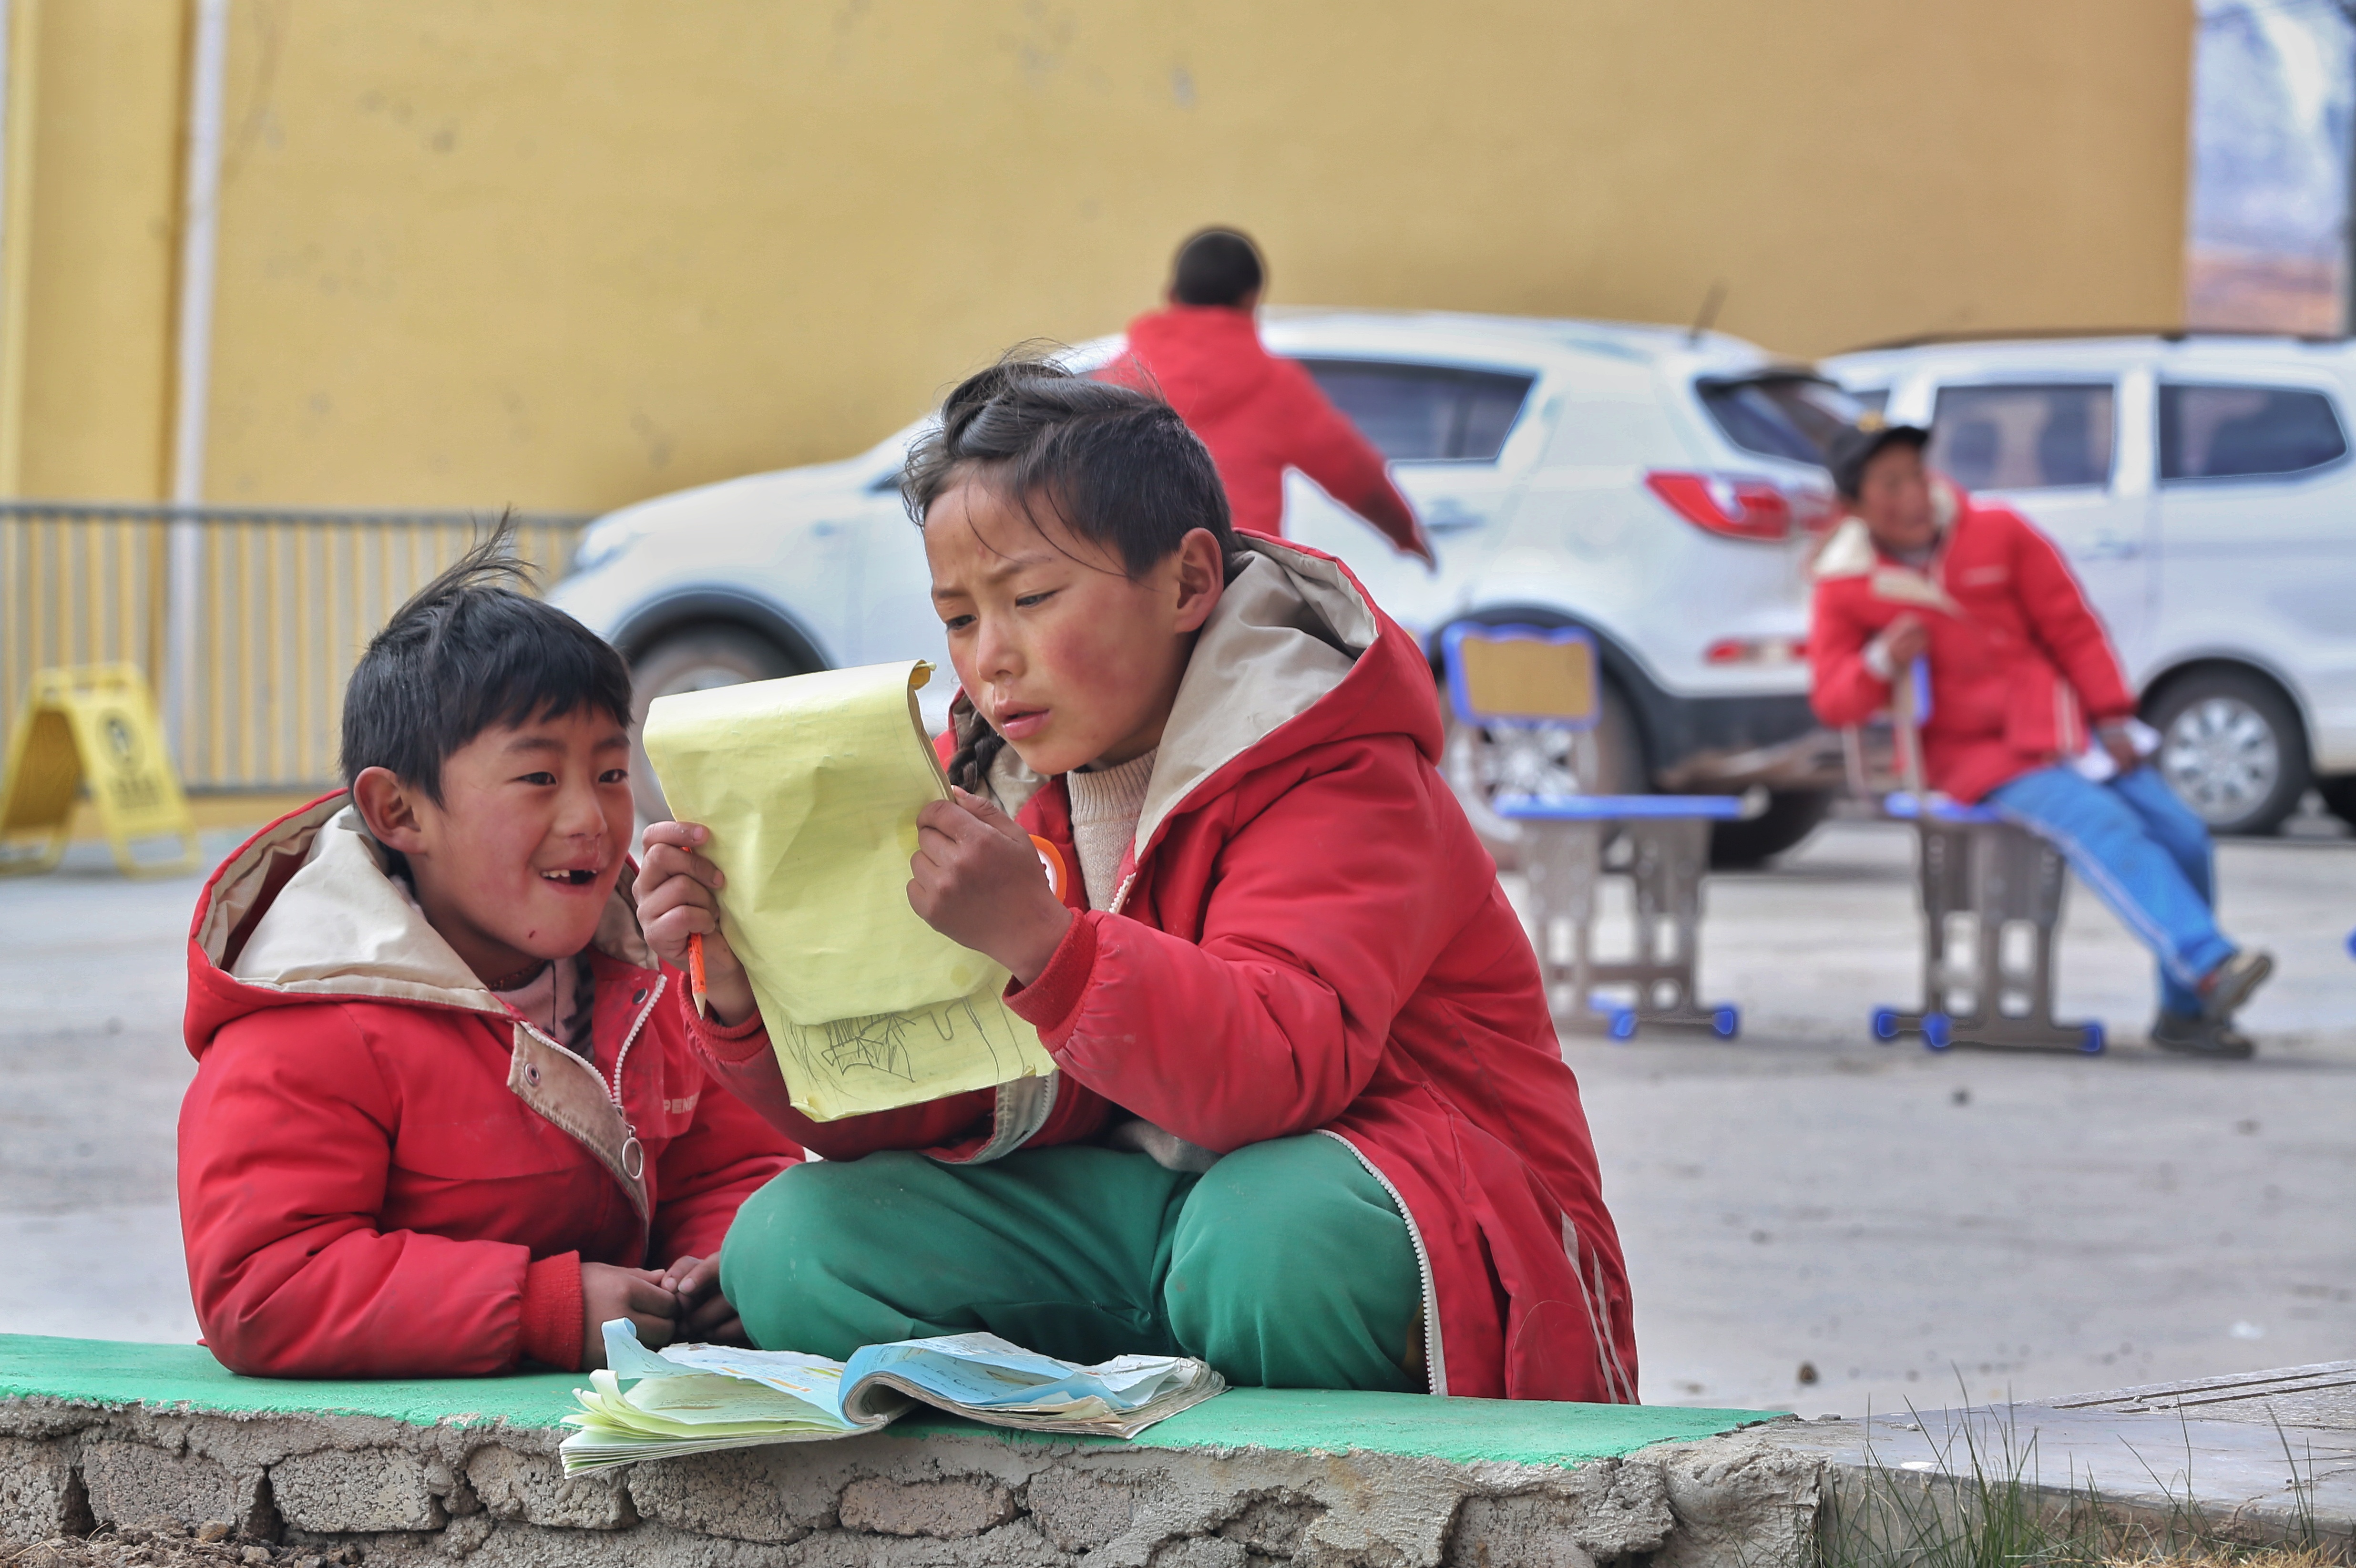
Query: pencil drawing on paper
x=888, y=1044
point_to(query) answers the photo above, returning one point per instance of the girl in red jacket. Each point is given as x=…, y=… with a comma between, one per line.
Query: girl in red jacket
x=1311, y=1122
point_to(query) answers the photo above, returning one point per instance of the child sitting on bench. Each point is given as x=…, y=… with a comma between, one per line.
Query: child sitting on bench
x=2021, y=671
x=444, y=1119
x=1311, y=1124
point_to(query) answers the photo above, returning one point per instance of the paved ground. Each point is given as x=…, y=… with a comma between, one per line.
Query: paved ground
x=1892, y=1220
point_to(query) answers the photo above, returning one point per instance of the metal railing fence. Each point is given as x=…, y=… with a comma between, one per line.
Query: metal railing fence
x=246, y=622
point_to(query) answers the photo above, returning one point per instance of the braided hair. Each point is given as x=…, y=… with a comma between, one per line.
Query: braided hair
x=1116, y=466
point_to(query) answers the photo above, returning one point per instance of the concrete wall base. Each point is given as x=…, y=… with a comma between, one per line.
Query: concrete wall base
x=497, y=1495
x=2207, y=1461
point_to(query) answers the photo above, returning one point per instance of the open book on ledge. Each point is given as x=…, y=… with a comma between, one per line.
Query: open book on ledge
x=694, y=1398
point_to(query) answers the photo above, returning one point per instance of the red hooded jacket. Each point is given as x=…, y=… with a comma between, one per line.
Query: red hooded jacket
x=2020, y=662
x=386, y=1173
x=1309, y=938
x=1261, y=413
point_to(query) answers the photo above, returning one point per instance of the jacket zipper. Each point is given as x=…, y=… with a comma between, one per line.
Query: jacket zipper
x=634, y=1154
x=1435, y=1366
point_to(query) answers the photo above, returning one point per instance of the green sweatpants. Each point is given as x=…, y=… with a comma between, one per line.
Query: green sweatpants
x=1285, y=1266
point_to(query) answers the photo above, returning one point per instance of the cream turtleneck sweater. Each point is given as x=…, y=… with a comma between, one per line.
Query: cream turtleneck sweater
x=1106, y=803
x=1105, y=806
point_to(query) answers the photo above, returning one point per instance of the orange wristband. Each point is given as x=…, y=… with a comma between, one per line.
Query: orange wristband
x=1053, y=859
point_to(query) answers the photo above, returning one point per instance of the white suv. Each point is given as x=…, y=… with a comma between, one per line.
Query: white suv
x=2202, y=487
x=1649, y=484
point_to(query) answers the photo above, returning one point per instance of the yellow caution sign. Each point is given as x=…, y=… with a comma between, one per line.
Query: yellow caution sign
x=95, y=724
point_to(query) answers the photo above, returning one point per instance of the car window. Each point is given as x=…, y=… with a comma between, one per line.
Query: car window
x=2023, y=437
x=2229, y=433
x=1424, y=414
x=1874, y=402
x=1779, y=416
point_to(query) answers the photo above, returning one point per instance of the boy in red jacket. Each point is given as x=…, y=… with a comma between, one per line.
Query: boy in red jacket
x=445, y=1119
x=2029, y=708
x=1258, y=414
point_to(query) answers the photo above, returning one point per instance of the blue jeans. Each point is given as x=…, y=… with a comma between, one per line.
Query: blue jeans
x=2144, y=854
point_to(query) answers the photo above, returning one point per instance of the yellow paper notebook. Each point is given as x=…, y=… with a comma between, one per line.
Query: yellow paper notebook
x=811, y=785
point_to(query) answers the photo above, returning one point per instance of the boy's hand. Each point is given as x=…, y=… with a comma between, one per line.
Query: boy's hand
x=705, y=1316
x=677, y=892
x=1905, y=640
x=609, y=1291
x=977, y=880
x=2120, y=744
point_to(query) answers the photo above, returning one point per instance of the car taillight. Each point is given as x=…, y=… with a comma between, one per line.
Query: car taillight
x=1756, y=651
x=1718, y=503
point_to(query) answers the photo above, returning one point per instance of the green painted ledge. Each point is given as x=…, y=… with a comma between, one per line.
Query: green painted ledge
x=1527, y=1432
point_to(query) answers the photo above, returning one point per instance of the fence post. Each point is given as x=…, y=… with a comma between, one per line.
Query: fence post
x=192, y=362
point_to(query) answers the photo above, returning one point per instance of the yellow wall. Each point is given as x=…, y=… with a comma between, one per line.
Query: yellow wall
x=97, y=207
x=564, y=256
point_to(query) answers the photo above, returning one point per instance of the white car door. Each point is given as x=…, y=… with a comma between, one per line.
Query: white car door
x=2072, y=454
x=890, y=593
x=1461, y=439
x=2257, y=533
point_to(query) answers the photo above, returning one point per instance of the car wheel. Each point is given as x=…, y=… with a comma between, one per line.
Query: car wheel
x=1483, y=760
x=2339, y=797
x=693, y=661
x=2232, y=749
x=1791, y=815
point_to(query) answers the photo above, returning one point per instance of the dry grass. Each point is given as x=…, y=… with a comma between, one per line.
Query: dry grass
x=1983, y=1507
x=2209, y=1557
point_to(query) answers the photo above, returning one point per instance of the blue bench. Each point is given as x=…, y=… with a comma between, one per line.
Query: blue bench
x=1520, y=676
x=1972, y=861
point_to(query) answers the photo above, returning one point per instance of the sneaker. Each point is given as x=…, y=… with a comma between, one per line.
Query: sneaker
x=2227, y=986
x=2197, y=1037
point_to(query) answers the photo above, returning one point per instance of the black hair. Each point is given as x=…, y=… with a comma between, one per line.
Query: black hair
x=472, y=651
x=1117, y=465
x=1217, y=266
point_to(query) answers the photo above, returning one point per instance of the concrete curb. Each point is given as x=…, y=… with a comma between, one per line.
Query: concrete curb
x=416, y=1494
x=1765, y=1496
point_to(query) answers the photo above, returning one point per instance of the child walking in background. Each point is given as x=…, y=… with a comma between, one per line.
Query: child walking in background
x=1310, y=1122
x=444, y=1121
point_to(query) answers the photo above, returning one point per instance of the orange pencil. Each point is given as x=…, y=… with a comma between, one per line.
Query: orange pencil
x=695, y=971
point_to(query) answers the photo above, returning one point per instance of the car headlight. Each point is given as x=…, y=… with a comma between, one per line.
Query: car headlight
x=604, y=539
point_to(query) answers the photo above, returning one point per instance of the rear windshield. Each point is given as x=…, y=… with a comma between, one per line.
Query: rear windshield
x=1779, y=416
x=1424, y=412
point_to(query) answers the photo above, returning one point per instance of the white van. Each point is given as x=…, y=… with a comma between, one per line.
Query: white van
x=1646, y=483
x=2202, y=487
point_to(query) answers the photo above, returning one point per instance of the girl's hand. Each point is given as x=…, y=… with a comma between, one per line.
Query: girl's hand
x=677, y=892
x=976, y=881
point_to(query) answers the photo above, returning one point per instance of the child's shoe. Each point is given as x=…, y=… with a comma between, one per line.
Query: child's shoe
x=2197, y=1037
x=2224, y=988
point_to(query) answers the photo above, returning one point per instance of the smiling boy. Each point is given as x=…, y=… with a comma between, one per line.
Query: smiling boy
x=442, y=1122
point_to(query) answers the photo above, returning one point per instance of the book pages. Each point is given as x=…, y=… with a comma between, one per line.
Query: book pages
x=696, y=1399
x=811, y=785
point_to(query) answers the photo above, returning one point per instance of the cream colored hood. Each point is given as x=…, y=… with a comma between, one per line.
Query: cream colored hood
x=1287, y=629
x=341, y=926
